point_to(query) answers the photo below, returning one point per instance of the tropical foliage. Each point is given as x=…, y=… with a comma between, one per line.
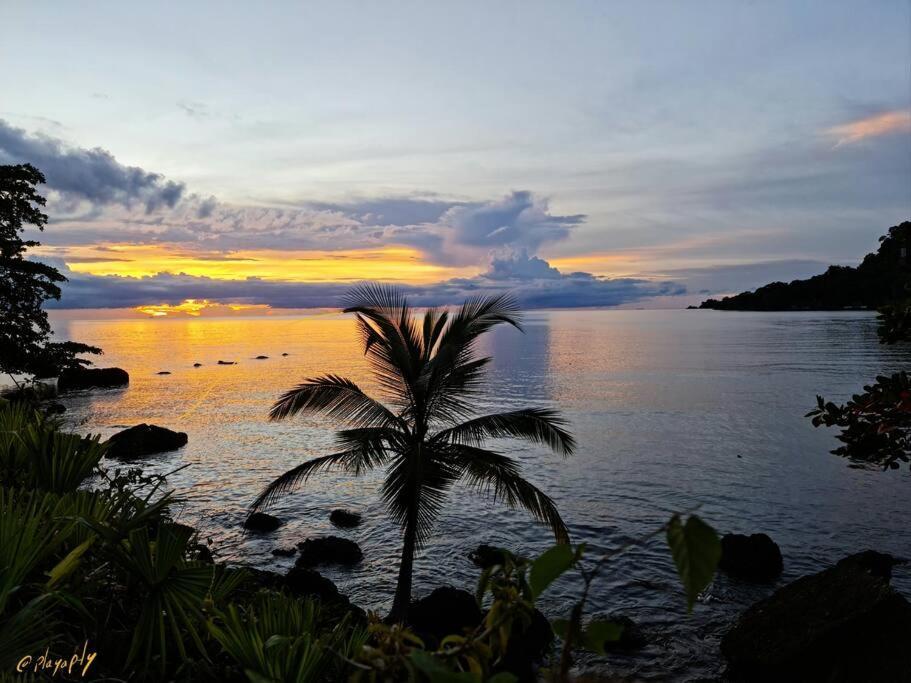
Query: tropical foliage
x=26, y=284
x=426, y=435
x=882, y=278
x=875, y=426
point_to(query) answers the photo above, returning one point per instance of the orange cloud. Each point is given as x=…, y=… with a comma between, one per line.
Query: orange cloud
x=873, y=126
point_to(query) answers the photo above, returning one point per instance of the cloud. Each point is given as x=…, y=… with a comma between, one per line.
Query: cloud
x=530, y=279
x=88, y=174
x=885, y=123
x=520, y=220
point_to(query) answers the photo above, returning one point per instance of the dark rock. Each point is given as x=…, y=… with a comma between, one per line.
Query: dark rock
x=753, y=558
x=53, y=408
x=872, y=562
x=197, y=365
x=328, y=550
x=284, y=354
x=227, y=362
x=164, y=372
x=843, y=624
x=344, y=519
x=284, y=552
x=262, y=522
x=486, y=556
x=261, y=358
x=303, y=582
x=87, y=378
x=142, y=440
x=632, y=638
x=527, y=648
x=445, y=611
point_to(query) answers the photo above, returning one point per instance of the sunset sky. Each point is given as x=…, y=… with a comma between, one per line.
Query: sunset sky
x=577, y=154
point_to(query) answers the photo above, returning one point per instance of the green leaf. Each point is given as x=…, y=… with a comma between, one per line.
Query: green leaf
x=548, y=567
x=696, y=551
x=437, y=672
x=598, y=633
x=68, y=564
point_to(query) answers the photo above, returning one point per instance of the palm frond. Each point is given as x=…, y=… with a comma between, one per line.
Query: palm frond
x=497, y=475
x=539, y=425
x=349, y=460
x=335, y=397
x=415, y=490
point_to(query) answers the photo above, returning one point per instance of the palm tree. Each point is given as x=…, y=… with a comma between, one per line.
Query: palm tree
x=428, y=437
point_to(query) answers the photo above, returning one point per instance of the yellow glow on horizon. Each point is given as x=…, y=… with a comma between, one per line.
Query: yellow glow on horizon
x=196, y=307
x=399, y=264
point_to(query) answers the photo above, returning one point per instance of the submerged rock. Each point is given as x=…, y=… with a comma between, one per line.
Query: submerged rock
x=284, y=354
x=284, y=552
x=486, y=556
x=840, y=625
x=445, y=611
x=164, y=372
x=227, y=362
x=262, y=522
x=53, y=408
x=328, y=550
x=753, y=558
x=197, y=365
x=144, y=439
x=87, y=378
x=344, y=519
x=261, y=358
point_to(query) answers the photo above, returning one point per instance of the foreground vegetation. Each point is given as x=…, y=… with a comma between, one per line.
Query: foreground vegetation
x=91, y=560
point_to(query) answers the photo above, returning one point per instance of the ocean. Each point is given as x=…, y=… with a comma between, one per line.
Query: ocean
x=671, y=410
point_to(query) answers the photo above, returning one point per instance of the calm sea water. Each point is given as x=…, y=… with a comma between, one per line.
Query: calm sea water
x=672, y=409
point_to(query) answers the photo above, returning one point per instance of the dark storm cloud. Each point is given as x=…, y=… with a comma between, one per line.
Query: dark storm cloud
x=90, y=174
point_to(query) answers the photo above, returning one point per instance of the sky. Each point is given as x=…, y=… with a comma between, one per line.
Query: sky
x=263, y=157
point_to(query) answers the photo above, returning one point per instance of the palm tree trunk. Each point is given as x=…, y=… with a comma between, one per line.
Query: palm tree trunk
x=403, y=588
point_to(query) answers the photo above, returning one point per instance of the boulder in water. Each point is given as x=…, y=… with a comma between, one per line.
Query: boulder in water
x=840, y=625
x=197, y=365
x=486, y=556
x=88, y=378
x=164, y=372
x=753, y=558
x=53, y=408
x=344, y=519
x=261, y=358
x=227, y=362
x=142, y=440
x=262, y=522
x=284, y=552
x=445, y=611
x=328, y=550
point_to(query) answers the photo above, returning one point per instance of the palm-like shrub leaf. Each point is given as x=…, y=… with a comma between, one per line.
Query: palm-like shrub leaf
x=279, y=638
x=34, y=453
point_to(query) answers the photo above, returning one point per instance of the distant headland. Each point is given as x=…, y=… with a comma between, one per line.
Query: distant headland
x=880, y=279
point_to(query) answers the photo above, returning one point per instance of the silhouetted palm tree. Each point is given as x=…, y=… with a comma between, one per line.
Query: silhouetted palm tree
x=428, y=437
